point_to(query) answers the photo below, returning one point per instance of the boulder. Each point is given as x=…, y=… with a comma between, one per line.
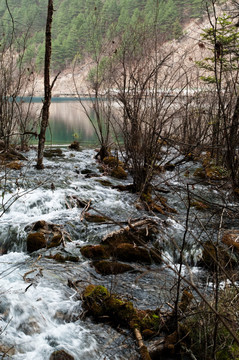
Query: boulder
x=44, y=235
x=132, y=253
x=95, y=252
x=111, y=267
x=75, y=145
x=61, y=355
x=36, y=241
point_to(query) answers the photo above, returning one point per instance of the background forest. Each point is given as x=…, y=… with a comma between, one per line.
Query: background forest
x=73, y=23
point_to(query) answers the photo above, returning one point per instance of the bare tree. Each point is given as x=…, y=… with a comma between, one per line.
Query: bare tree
x=47, y=86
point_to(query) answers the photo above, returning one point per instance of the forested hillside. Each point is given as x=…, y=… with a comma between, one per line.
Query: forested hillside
x=75, y=23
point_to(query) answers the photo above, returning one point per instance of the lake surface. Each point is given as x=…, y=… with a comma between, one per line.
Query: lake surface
x=68, y=121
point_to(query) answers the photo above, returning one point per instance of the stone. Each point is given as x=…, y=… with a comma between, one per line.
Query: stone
x=132, y=253
x=36, y=241
x=111, y=267
x=61, y=355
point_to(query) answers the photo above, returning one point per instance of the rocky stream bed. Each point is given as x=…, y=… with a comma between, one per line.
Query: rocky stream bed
x=55, y=241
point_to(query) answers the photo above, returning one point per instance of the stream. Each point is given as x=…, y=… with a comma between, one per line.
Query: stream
x=39, y=311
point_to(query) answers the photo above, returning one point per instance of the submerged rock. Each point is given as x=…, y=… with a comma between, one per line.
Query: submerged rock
x=61, y=355
x=111, y=267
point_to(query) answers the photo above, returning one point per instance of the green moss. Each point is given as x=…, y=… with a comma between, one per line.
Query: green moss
x=119, y=173
x=112, y=161
x=99, y=302
x=95, y=251
x=106, y=183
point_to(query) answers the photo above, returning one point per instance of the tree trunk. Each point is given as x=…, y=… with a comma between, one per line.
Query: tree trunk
x=47, y=87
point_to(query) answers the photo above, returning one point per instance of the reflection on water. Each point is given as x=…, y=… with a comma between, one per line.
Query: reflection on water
x=68, y=121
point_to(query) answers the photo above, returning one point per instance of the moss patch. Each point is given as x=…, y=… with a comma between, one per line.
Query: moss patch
x=95, y=251
x=100, y=303
x=111, y=267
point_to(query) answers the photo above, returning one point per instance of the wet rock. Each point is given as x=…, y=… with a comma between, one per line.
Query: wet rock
x=6, y=352
x=94, y=218
x=119, y=173
x=62, y=258
x=106, y=183
x=36, y=241
x=44, y=235
x=41, y=224
x=95, y=252
x=100, y=303
x=49, y=153
x=61, y=355
x=169, y=166
x=55, y=241
x=211, y=252
x=132, y=253
x=111, y=267
x=75, y=145
x=30, y=327
x=138, y=231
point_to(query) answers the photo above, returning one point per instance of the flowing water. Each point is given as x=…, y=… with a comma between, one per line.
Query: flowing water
x=39, y=311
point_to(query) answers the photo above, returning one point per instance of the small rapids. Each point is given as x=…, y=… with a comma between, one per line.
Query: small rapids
x=39, y=311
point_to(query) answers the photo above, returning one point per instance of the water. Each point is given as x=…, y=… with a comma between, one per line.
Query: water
x=39, y=312
x=68, y=121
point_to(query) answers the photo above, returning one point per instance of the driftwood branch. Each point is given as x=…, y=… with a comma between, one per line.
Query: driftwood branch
x=142, y=348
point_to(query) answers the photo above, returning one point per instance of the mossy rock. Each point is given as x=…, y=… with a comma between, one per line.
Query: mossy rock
x=55, y=241
x=94, y=218
x=14, y=165
x=100, y=304
x=211, y=251
x=106, y=183
x=75, y=145
x=61, y=258
x=200, y=173
x=61, y=355
x=119, y=173
x=49, y=153
x=41, y=224
x=132, y=253
x=214, y=172
x=95, y=252
x=36, y=241
x=112, y=161
x=104, y=267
